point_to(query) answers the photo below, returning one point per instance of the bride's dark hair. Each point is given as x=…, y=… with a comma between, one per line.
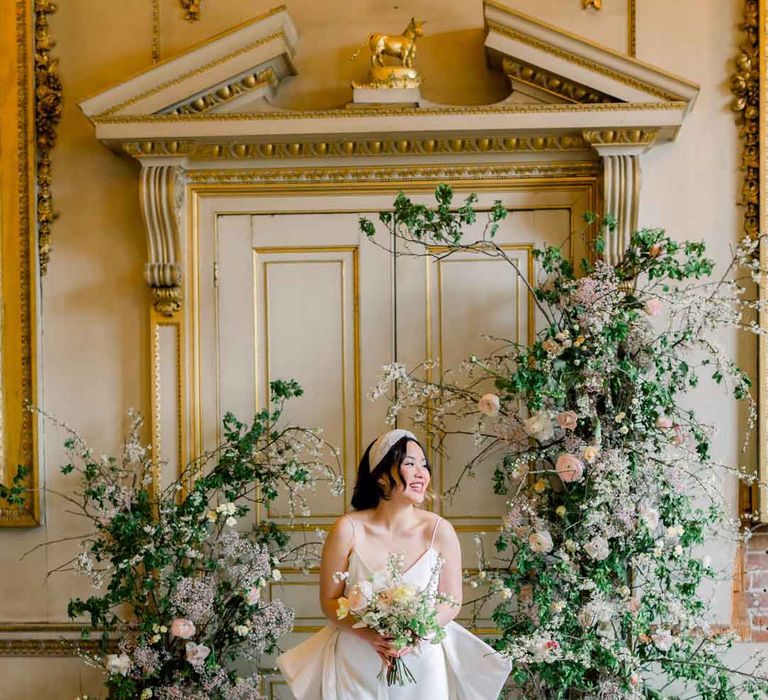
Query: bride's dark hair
x=368, y=490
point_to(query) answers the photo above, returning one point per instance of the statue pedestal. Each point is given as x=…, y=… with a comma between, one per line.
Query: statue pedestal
x=389, y=96
x=390, y=85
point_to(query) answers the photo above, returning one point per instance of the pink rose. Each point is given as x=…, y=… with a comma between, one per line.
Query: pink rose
x=653, y=307
x=253, y=596
x=183, y=628
x=567, y=420
x=359, y=595
x=540, y=541
x=664, y=423
x=197, y=653
x=569, y=468
x=489, y=404
x=679, y=437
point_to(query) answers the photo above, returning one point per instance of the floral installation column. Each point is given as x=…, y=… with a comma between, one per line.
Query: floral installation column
x=611, y=484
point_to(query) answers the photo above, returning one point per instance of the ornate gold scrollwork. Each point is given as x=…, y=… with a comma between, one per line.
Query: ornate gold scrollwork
x=745, y=86
x=228, y=92
x=48, y=91
x=347, y=148
x=542, y=79
x=191, y=9
x=621, y=137
x=595, y=4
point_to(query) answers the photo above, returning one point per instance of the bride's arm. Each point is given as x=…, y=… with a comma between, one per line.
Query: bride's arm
x=336, y=551
x=447, y=543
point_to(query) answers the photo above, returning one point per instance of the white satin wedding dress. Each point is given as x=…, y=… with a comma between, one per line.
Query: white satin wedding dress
x=334, y=664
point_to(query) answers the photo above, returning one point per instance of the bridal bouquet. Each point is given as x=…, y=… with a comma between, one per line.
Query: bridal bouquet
x=397, y=610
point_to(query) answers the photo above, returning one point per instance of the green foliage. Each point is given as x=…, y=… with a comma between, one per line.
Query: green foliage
x=180, y=554
x=598, y=570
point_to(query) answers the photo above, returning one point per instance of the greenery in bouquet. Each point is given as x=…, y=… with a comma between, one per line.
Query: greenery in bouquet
x=398, y=610
x=612, y=489
x=180, y=578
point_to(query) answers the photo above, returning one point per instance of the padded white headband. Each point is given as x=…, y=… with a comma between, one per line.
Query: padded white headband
x=383, y=444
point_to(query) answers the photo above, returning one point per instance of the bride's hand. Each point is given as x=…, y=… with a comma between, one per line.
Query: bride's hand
x=381, y=645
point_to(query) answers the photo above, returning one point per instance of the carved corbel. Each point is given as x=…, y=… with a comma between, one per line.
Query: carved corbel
x=162, y=192
x=620, y=151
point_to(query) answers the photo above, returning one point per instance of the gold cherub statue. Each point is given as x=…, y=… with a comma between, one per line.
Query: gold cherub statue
x=401, y=47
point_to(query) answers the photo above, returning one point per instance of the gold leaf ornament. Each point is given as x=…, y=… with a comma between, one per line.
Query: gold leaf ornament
x=191, y=9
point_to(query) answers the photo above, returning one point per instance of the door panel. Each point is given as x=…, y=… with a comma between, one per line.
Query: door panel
x=288, y=289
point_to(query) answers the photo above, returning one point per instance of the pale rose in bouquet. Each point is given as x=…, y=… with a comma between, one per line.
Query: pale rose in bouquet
x=397, y=610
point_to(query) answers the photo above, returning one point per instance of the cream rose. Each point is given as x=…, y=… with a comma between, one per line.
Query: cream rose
x=119, y=664
x=489, y=404
x=539, y=426
x=567, y=420
x=359, y=595
x=569, y=468
x=197, y=653
x=540, y=541
x=598, y=548
x=590, y=453
x=183, y=628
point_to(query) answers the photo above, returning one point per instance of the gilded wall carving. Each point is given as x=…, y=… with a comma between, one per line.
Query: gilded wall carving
x=20, y=125
x=48, y=91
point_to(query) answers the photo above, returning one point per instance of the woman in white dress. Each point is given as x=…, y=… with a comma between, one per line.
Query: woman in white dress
x=342, y=663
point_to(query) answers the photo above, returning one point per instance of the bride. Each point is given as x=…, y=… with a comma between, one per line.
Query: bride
x=342, y=663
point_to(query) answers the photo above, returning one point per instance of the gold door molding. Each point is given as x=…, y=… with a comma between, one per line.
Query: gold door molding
x=748, y=85
x=18, y=259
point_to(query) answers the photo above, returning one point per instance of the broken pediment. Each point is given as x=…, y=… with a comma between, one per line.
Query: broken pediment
x=213, y=102
x=233, y=72
x=553, y=65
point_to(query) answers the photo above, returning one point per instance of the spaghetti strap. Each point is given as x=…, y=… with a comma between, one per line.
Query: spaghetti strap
x=434, y=532
x=352, y=522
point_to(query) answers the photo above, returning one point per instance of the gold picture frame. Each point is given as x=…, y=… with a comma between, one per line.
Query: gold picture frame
x=19, y=192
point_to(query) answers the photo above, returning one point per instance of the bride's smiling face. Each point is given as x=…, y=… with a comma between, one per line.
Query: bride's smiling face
x=414, y=474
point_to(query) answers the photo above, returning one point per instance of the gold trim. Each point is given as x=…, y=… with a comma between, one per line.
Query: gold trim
x=464, y=110
x=193, y=48
x=757, y=502
x=357, y=388
x=155, y=31
x=378, y=178
x=621, y=137
x=18, y=262
x=632, y=28
x=551, y=83
x=584, y=62
x=186, y=76
x=528, y=249
x=339, y=263
x=227, y=93
x=345, y=148
x=48, y=91
x=593, y=4
x=745, y=86
x=158, y=319
x=582, y=40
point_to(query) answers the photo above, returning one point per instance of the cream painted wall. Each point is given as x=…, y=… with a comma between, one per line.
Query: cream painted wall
x=95, y=304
